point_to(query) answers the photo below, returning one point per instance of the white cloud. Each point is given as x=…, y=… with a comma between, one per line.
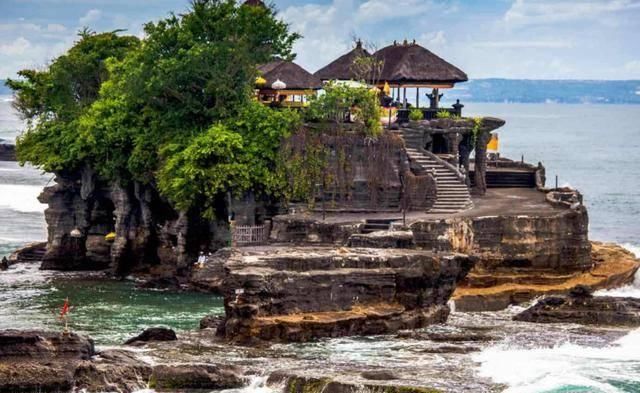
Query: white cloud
x=526, y=12
x=327, y=31
x=18, y=47
x=56, y=28
x=633, y=66
x=377, y=10
x=436, y=39
x=91, y=16
x=19, y=27
x=523, y=44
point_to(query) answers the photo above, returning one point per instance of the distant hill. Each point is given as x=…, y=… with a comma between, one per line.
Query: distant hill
x=560, y=91
x=533, y=91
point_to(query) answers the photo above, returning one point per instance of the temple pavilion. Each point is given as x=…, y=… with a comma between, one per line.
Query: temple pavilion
x=285, y=83
x=403, y=65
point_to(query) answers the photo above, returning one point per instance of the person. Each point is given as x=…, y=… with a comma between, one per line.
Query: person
x=4, y=265
x=201, y=260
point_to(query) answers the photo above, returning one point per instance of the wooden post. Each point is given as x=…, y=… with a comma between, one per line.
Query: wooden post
x=404, y=101
x=417, y=97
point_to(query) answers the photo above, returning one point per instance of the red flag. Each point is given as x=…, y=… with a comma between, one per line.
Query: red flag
x=65, y=308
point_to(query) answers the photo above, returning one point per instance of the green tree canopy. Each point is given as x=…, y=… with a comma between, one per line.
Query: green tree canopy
x=174, y=110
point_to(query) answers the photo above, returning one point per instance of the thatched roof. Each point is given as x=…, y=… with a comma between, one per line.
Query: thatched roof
x=294, y=76
x=342, y=68
x=411, y=63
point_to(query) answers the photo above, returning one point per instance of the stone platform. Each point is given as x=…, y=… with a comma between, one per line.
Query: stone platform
x=278, y=293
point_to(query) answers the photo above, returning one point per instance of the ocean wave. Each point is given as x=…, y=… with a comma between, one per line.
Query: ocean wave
x=22, y=198
x=565, y=367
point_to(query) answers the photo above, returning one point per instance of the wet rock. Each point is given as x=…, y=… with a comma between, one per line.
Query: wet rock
x=215, y=322
x=195, y=376
x=153, y=334
x=161, y=283
x=447, y=337
x=307, y=384
x=581, y=292
x=451, y=349
x=35, y=344
x=112, y=370
x=378, y=375
x=605, y=310
x=40, y=361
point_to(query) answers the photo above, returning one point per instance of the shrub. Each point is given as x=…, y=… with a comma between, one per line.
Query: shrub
x=442, y=114
x=416, y=114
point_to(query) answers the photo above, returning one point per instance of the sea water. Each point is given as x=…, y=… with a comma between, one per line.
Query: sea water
x=591, y=147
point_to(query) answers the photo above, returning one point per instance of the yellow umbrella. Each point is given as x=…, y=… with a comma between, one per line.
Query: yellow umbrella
x=386, y=88
x=260, y=81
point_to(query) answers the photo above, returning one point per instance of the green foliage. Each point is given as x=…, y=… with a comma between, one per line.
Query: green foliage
x=238, y=154
x=442, y=114
x=416, y=114
x=53, y=100
x=339, y=100
x=174, y=109
x=477, y=124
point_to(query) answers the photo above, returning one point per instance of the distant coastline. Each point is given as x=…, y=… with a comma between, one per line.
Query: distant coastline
x=534, y=91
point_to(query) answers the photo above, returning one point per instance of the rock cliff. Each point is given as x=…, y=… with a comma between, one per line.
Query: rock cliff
x=149, y=234
x=301, y=293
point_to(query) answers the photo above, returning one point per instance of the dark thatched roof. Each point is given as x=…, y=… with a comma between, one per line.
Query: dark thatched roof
x=411, y=63
x=342, y=67
x=294, y=76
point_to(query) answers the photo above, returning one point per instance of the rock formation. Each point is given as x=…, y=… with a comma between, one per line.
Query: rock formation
x=149, y=234
x=301, y=293
x=585, y=309
x=40, y=361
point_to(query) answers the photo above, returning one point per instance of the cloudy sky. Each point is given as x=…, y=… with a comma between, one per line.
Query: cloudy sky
x=534, y=39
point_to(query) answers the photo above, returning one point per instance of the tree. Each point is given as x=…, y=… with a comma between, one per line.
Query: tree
x=174, y=110
x=53, y=100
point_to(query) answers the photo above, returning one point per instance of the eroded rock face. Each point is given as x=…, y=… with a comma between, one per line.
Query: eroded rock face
x=302, y=293
x=149, y=234
x=588, y=310
x=305, y=384
x=559, y=242
x=40, y=361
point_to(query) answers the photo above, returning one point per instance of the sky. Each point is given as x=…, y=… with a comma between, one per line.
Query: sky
x=523, y=39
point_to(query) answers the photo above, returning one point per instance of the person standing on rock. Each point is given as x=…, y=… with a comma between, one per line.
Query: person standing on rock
x=201, y=260
x=4, y=265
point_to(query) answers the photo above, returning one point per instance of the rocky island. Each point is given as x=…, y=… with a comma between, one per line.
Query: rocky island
x=314, y=216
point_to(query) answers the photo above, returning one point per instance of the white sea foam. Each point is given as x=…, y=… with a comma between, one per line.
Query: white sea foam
x=547, y=369
x=22, y=198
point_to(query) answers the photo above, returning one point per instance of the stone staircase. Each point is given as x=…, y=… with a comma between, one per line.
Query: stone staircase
x=452, y=194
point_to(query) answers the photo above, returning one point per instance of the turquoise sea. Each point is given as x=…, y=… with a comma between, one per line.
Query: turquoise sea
x=594, y=148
